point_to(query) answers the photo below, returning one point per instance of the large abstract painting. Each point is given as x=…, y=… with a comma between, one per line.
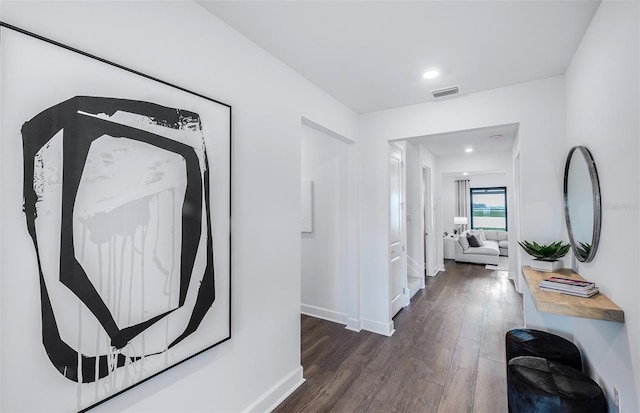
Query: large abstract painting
x=125, y=193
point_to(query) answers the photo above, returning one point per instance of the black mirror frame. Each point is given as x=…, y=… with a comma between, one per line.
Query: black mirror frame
x=597, y=205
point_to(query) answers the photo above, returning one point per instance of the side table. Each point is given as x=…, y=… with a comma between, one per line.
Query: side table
x=449, y=249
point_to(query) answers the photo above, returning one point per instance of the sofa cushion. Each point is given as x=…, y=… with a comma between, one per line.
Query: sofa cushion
x=503, y=235
x=478, y=233
x=464, y=243
x=503, y=244
x=485, y=250
x=489, y=248
x=491, y=234
x=473, y=241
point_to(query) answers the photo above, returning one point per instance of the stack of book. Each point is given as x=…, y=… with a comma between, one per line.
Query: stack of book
x=569, y=286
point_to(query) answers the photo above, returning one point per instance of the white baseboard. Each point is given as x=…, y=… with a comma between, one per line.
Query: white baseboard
x=440, y=268
x=385, y=329
x=415, y=284
x=278, y=393
x=354, y=324
x=324, y=314
x=518, y=280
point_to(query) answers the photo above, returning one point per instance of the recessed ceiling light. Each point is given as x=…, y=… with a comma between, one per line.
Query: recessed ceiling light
x=465, y=173
x=430, y=74
x=468, y=150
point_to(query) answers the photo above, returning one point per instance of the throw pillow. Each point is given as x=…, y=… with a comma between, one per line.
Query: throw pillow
x=473, y=241
x=464, y=243
x=479, y=234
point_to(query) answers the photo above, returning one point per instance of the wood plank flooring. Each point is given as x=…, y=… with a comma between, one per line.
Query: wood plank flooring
x=446, y=356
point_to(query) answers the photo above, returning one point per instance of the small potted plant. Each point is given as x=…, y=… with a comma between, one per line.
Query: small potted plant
x=546, y=256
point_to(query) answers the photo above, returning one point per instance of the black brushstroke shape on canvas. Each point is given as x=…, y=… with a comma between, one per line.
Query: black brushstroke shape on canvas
x=79, y=131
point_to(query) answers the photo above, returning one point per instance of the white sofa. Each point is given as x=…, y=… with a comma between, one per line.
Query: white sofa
x=501, y=237
x=495, y=243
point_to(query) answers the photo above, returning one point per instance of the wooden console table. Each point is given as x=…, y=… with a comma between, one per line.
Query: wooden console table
x=598, y=307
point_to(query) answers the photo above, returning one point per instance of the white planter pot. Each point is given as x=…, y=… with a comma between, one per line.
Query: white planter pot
x=546, y=266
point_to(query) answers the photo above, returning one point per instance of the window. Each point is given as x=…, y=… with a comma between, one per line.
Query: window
x=489, y=208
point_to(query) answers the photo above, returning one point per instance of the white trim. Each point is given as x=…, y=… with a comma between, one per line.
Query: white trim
x=278, y=393
x=385, y=329
x=354, y=324
x=323, y=313
x=2, y=275
x=513, y=276
x=439, y=269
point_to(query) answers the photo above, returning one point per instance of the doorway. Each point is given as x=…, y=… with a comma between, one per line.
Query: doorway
x=420, y=235
x=397, y=266
x=426, y=215
x=324, y=255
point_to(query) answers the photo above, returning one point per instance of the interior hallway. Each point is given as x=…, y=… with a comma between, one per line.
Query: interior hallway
x=447, y=354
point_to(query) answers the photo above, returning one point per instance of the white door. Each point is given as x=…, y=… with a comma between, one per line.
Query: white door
x=397, y=279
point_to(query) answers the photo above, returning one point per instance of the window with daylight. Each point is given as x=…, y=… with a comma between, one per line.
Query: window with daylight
x=489, y=208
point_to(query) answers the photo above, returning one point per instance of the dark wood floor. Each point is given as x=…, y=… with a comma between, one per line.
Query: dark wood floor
x=447, y=354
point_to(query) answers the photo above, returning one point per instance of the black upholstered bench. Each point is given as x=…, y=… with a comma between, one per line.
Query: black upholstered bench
x=536, y=343
x=538, y=385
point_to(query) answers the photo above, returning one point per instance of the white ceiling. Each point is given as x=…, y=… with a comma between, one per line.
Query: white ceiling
x=492, y=139
x=370, y=55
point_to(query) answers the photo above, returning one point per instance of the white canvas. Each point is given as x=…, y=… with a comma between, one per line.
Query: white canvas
x=127, y=228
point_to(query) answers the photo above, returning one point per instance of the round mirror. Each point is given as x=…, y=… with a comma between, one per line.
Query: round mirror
x=582, y=210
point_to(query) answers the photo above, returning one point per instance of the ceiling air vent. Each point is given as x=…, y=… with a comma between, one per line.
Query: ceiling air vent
x=447, y=91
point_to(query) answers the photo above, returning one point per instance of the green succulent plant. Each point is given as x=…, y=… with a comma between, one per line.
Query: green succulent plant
x=584, y=249
x=545, y=252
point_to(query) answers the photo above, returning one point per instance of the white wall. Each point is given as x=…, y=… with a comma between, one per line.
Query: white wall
x=602, y=98
x=324, y=251
x=262, y=360
x=539, y=109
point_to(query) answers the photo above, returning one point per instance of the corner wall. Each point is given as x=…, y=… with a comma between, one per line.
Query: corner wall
x=261, y=363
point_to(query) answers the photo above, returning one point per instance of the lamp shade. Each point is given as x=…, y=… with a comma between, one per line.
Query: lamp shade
x=460, y=220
